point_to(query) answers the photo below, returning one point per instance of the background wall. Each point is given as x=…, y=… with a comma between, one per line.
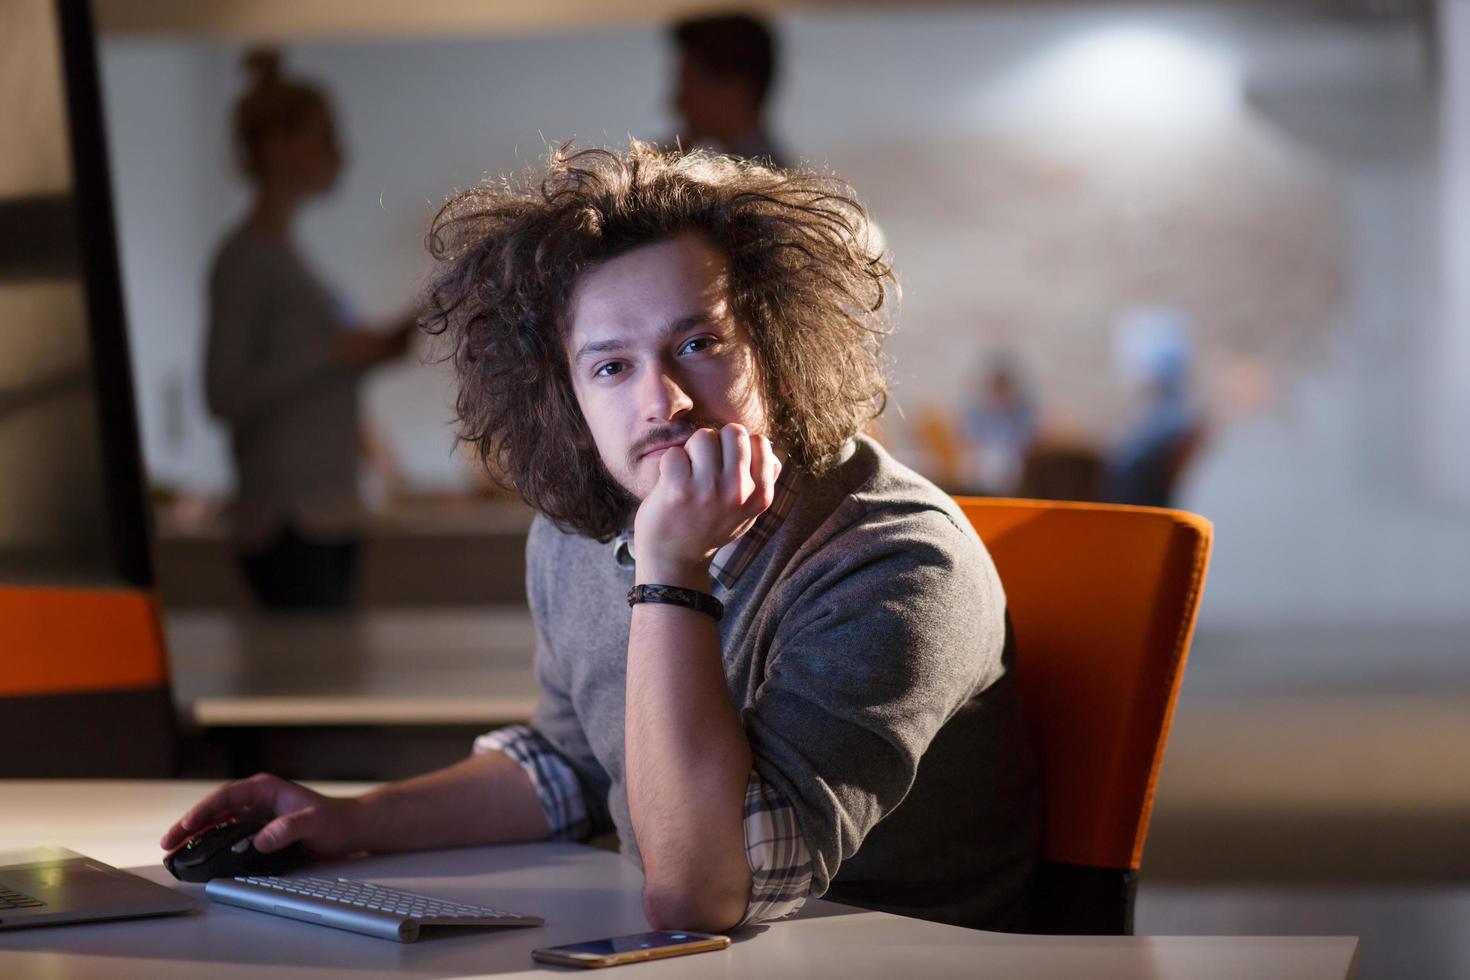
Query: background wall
x=1272, y=174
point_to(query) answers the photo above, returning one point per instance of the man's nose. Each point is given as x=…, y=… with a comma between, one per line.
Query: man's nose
x=664, y=398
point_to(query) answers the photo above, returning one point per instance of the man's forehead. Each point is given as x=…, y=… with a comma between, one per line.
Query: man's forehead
x=647, y=289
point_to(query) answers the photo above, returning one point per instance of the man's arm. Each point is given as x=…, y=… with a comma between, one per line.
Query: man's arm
x=688, y=760
x=688, y=763
x=485, y=799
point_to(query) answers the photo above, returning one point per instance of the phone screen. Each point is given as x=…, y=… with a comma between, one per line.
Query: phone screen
x=631, y=949
x=630, y=944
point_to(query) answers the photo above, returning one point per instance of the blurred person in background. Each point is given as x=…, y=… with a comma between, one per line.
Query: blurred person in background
x=284, y=359
x=1001, y=425
x=1154, y=353
x=727, y=65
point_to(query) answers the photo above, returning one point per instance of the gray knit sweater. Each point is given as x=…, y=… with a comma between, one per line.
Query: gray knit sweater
x=867, y=649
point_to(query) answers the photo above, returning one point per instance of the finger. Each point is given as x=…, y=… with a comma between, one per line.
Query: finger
x=286, y=829
x=765, y=466
x=242, y=796
x=704, y=459
x=674, y=467
x=736, y=483
x=173, y=837
x=209, y=810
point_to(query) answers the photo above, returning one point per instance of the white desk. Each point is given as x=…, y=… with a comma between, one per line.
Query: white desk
x=583, y=894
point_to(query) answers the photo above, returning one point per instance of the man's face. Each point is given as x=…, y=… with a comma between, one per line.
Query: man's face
x=656, y=353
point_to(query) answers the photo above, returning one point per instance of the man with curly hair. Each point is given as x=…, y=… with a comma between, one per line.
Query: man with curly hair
x=772, y=659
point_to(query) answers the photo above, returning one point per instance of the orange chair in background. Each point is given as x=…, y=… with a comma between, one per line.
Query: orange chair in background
x=84, y=685
x=1103, y=600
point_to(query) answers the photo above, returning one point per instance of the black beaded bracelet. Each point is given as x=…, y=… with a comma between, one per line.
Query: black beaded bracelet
x=675, y=596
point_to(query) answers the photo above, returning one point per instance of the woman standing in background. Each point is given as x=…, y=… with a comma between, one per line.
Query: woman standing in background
x=283, y=362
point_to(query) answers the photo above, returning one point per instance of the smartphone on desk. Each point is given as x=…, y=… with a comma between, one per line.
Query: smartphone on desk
x=630, y=949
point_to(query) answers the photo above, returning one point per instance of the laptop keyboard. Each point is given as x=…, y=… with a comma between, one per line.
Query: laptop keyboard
x=10, y=899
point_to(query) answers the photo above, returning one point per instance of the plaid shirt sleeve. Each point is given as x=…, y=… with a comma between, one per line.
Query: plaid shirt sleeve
x=780, y=864
x=556, y=784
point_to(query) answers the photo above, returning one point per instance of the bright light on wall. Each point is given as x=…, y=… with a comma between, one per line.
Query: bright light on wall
x=1135, y=78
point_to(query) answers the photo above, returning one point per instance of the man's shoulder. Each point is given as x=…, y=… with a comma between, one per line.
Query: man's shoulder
x=883, y=555
x=870, y=493
x=556, y=555
x=872, y=526
x=546, y=539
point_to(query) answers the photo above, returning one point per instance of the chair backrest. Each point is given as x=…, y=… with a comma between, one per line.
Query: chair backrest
x=1103, y=600
x=84, y=684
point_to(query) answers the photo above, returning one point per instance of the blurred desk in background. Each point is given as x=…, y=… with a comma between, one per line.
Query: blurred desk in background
x=376, y=695
x=445, y=553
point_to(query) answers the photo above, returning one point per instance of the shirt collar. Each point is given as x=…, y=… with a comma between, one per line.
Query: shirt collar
x=731, y=561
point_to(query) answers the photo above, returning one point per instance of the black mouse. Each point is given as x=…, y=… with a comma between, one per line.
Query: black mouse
x=227, y=850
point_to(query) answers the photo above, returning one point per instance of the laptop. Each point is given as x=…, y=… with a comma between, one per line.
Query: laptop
x=47, y=886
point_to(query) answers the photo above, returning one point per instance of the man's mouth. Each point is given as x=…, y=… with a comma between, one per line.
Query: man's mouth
x=659, y=440
x=660, y=448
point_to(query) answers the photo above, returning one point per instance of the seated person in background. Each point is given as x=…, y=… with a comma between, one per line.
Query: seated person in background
x=773, y=659
x=1155, y=354
x=1001, y=424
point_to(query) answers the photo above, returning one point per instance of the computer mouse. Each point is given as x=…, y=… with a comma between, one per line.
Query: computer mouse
x=227, y=850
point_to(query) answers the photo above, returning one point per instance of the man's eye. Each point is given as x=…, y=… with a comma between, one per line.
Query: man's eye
x=696, y=345
x=608, y=370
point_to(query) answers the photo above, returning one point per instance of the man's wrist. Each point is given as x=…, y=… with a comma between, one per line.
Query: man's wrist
x=673, y=595
x=683, y=574
x=365, y=820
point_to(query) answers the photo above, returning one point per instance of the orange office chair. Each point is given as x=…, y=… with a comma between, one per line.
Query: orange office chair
x=1102, y=599
x=84, y=684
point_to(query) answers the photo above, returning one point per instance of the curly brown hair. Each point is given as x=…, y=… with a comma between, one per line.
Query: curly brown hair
x=805, y=279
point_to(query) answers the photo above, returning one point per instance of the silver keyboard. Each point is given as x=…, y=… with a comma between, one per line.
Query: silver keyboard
x=358, y=906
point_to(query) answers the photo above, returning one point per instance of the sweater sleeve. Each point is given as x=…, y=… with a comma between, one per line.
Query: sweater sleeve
x=244, y=376
x=555, y=719
x=891, y=626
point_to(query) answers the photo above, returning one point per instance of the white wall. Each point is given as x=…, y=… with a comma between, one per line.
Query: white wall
x=1321, y=499
x=1447, y=399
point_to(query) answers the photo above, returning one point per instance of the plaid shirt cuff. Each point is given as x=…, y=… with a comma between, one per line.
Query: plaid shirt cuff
x=556, y=784
x=780, y=864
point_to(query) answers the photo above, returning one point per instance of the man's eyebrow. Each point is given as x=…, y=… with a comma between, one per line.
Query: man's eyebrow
x=598, y=347
x=699, y=319
x=673, y=327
